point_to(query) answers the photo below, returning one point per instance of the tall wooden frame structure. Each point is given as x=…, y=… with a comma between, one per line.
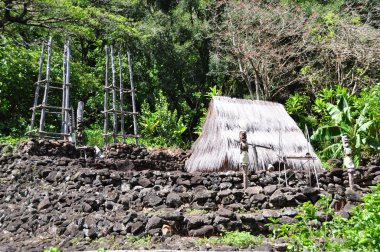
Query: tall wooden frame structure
x=47, y=84
x=115, y=105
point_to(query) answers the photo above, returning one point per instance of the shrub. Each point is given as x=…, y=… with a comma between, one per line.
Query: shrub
x=161, y=127
x=359, y=233
x=93, y=137
x=344, y=123
x=298, y=106
x=12, y=140
x=214, y=91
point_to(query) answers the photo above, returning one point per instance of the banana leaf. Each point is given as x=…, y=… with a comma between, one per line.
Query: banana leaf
x=326, y=133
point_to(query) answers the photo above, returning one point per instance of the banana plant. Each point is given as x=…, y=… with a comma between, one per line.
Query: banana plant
x=344, y=124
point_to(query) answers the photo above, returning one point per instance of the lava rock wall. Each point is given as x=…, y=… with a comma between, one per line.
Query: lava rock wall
x=58, y=194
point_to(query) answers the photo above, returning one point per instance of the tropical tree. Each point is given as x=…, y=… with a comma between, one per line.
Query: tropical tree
x=344, y=123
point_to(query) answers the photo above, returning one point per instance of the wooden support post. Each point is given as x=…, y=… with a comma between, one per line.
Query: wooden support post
x=114, y=97
x=285, y=175
x=316, y=174
x=46, y=90
x=244, y=158
x=63, y=88
x=256, y=157
x=308, y=154
x=106, y=101
x=121, y=98
x=67, y=91
x=80, y=111
x=37, y=91
x=133, y=98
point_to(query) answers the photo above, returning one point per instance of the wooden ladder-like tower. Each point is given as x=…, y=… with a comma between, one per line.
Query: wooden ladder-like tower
x=43, y=108
x=118, y=110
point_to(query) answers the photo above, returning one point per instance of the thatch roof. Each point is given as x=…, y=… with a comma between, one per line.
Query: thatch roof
x=217, y=148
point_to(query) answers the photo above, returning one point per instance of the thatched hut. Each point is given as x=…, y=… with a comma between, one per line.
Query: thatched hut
x=266, y=124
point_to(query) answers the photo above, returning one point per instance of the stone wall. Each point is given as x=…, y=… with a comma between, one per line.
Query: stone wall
x=141, y=158
x=49, y=148
x=114, y=156
x=59, y=196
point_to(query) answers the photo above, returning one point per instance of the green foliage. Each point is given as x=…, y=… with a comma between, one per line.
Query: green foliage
x=139, y=241
x=7, y=150
x=359, y=233
x=161, y=127
x=370, y=97
x=12, y=140
x=52, y=249
x=344, y=123
x=362, y=231
x=335, y=112
x=93, y=137
x=175, y=51
x=298, y=106
x=168, y=42
x=100, y=250
x=241, y=239
x=316, y=6
x=305, y=234
x=214, y=91
x=16, y=85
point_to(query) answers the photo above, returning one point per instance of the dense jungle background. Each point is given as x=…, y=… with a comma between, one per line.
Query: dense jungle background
x=319, y=58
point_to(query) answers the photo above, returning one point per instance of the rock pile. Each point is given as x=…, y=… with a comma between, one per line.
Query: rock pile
x=49, y=148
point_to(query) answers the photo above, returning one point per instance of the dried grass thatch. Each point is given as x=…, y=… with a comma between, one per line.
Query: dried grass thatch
x=217, y=148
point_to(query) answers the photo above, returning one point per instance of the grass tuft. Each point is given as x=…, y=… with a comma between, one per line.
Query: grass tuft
x=237, y=238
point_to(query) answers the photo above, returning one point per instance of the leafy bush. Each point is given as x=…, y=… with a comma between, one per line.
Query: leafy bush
x=93, y=137
x=298, y=106
x=326, y=96
x=214, y=91
x=306, y=233
x=344, y=123
x=359, y=233
x=12, y=140
x=362, y=231
x=161, y=127
x=17, y=68
x=371, y=98
x=334, y=113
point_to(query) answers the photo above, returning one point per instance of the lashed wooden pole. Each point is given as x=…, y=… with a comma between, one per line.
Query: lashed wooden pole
x=80, y=111
x=46, y=90
x=72, y=136
x=133, y=98
x=67, y=92
x=121, y=99
x=114, y=97
x=106, y=101
x=64, y=89
x=37, y=91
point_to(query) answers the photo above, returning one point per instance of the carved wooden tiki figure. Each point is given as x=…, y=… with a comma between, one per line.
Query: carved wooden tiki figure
x=244, y=158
